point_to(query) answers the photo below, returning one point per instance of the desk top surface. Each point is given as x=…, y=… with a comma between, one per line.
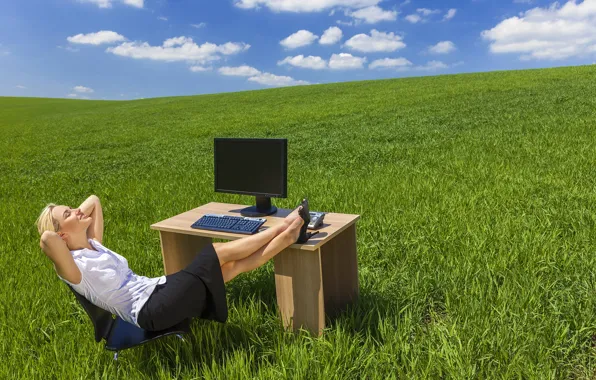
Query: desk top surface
x=333, y=224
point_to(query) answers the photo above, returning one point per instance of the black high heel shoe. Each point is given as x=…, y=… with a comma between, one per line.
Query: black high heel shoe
x=305, y=215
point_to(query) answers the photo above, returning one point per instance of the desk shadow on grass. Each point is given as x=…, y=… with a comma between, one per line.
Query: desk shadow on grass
x=363, y=316
x=375, y=311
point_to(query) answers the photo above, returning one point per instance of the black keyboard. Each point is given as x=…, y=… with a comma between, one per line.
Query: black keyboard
x=227, y=223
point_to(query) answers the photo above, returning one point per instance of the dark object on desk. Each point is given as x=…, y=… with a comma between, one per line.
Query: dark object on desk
x=305, y=214
x=316, y=220
x=229, y=223
x=252, y=166
x=119, y=334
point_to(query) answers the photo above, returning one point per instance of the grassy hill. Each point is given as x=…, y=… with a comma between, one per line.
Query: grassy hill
x=477, y=196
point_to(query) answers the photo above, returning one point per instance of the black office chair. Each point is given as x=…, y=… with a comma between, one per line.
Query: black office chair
x=119, y=334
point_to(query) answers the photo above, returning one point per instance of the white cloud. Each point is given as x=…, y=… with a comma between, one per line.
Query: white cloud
x=134, y=3
x=427, y=12
x=162, y=18
x=240, y=71
x=83, y=90
x=310, y=62
x=298, y=39
x=108, y=3
x=376, y=42
x=344, y=61
x=21, y=87
x=443, y=47
x=402, y=64
x=422, y=15
x=177, y=41
x=331, y=36
x=553, y=33
x=450, y=14
x=432, y=66
x=72, y=95
x=257, y=76
x=389, y=63
x=101, y=37
x=304, y=5
x=199, y=25
x=413, y=18
x=340, y=61
x=178, y=49
x=197, y=69
x=346, y=23
x=373, y=14
x=99, y=3
x=269, y=79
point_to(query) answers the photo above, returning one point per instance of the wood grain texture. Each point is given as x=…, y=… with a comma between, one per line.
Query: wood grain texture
x=299, y=289
x=333, y=224
x=178, y=250
x=339, y=267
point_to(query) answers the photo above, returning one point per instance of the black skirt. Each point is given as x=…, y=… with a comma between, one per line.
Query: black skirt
x=196, y=291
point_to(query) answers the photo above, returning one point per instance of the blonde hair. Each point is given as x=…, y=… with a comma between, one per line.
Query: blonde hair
x=46, y=222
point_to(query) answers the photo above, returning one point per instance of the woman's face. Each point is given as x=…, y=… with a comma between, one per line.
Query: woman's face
x=71, y=221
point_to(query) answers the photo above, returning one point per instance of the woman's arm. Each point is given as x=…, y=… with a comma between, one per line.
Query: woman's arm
x=56, y=250
x=92, y=208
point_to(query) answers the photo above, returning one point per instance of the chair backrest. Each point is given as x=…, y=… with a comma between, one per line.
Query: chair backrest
x=102, y=320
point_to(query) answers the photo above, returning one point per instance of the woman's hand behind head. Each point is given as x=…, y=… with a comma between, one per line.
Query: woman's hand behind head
x=51, y=239
x=57, y=250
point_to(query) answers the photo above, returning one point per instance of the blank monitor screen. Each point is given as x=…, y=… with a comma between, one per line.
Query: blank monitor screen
x=251, y=166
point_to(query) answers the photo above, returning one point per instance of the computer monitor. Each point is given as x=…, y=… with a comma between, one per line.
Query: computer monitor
x=256, y=167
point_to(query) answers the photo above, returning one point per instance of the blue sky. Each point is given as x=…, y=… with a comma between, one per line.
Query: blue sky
x=127, y=49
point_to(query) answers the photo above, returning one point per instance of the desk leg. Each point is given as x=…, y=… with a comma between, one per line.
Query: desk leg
x=299, y=289
x=178, y=250
x=340, y=271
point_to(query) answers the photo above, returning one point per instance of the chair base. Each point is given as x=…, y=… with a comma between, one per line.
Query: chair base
x=125, y=335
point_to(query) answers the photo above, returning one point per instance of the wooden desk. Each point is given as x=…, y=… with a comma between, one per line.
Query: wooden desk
x=312, y=280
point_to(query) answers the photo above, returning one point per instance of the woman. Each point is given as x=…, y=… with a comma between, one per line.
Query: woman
x=72, y=238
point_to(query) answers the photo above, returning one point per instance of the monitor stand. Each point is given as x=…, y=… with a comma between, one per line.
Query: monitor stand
x=263, y=208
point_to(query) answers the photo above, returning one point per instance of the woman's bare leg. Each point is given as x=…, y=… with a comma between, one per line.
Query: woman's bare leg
x=262, y=255
x=241, y=248
x=238, y=249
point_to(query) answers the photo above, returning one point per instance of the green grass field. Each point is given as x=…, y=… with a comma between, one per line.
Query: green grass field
x=477, y=196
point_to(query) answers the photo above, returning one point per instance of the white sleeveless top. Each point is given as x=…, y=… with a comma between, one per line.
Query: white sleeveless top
x=108, y=282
